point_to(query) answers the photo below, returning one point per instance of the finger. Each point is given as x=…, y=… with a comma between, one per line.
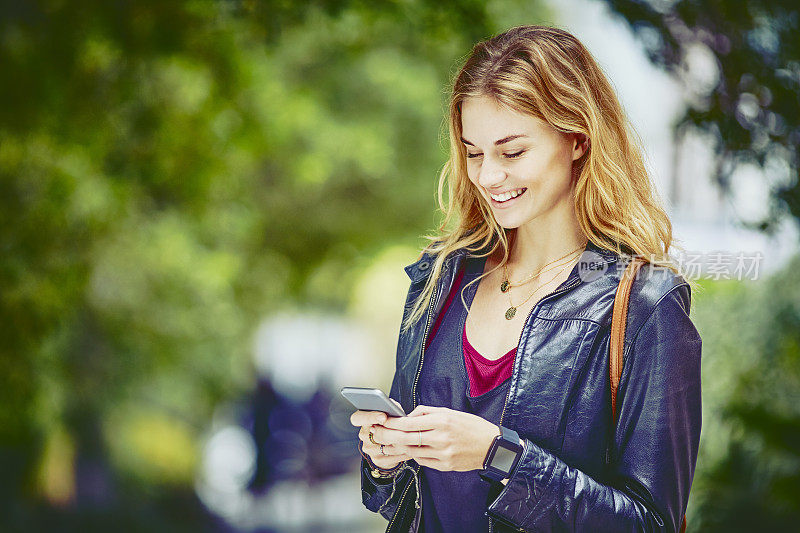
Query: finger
x=365, y=418
x=364, y=432
x=423, y=410
x=430, y=462
x=362, y=418
x=385, y=435
x=377, y=439
x=425, y=452
x=415, y=423
x=390, y=462
x=408, y=439
x=389, y=450
x=385, y=461
x=390, y=453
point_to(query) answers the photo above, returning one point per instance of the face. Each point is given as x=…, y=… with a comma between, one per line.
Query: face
x=509, y=154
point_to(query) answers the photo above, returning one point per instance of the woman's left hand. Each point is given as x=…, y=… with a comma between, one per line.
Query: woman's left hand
x=451, y=440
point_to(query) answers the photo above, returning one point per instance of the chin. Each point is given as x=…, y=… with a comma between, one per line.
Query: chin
x=514, y=221
x=509, y=225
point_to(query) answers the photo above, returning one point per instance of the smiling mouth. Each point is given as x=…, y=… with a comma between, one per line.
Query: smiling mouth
x=507, y=197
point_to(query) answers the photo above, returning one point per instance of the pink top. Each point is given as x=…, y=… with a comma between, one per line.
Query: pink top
x=484, y=374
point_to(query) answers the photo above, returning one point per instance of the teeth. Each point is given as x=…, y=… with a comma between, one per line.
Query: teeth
x=507, y=196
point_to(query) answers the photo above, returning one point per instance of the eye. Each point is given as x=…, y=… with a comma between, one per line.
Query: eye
x=509, y=156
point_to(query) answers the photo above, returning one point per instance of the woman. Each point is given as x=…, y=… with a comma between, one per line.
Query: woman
x=502, y=359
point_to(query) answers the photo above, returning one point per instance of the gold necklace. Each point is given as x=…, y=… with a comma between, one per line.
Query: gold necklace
x=512, y=310
x=506, y=284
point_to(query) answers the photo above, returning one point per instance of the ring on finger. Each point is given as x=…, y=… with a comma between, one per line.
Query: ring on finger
x=382, y=452
x=371, y=439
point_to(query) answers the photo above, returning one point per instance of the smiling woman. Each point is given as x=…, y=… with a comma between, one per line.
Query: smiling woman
x=503, y=355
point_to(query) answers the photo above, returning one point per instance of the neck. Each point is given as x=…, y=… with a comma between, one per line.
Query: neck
x=537, y=244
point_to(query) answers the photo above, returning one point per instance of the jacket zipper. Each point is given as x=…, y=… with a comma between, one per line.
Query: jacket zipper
x=557, y=291
x=419, y=371
x=422, y=351
x=399, y=506
x=414, y=395
x=508, y=395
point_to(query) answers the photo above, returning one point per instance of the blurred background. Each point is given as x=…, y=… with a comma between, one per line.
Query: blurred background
x=206, y=207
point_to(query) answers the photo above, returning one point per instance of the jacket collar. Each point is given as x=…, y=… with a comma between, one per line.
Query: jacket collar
x=422, y=267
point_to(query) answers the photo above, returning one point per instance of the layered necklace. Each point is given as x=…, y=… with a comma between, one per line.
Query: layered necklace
x=506, y=285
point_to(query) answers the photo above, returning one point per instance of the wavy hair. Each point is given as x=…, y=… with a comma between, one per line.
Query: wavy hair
x=547, y=73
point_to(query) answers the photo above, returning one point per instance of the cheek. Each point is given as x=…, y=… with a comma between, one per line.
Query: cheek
x=472, y=174
x=548, y=173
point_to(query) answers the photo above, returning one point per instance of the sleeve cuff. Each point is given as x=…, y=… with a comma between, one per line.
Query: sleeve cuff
x=520, y=496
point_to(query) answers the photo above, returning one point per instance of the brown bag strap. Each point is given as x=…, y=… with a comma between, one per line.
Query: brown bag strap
x=619, y=318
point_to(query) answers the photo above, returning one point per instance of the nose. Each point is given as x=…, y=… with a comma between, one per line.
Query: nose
x=491, y=174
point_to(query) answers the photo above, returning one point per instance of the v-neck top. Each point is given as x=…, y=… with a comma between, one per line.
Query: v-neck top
x=456, y=376
x=483, y=374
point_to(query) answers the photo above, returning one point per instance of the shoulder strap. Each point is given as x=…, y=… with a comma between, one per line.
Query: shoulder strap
x=619, y=318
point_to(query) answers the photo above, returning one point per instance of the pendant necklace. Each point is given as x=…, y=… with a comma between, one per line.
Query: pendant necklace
x=506, y=284
x=512, y=310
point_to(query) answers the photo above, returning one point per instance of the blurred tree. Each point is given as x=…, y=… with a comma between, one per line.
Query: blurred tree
x=755, y=483
x=740, y=62
x=171, y=172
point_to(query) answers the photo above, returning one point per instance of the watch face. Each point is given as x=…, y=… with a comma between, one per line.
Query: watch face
x=503, y=458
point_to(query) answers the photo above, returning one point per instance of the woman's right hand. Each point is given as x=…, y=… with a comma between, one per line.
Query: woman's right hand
x=390, y=457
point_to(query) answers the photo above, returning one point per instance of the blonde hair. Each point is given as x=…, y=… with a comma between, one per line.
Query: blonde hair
x=547, y=73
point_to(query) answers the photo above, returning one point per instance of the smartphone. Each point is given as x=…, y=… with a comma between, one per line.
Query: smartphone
x=367, y=399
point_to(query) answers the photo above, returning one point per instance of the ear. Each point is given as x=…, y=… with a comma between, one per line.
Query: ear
x=580, y=143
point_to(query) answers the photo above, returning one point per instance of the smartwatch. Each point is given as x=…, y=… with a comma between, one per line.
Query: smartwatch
x=503, y=456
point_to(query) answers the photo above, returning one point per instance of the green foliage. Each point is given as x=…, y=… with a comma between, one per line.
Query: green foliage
x=171, y=173
x=749, y=468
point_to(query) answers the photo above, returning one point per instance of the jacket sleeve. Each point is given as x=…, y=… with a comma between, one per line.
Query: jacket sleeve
x=646, y=485
x=383, y=496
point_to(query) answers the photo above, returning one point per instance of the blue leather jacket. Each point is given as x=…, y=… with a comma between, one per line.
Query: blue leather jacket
x=579, y=470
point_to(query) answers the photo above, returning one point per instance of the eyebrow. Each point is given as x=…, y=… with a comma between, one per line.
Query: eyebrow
x=499, y=141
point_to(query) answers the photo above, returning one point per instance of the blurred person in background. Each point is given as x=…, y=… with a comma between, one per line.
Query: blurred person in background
x=502, y=359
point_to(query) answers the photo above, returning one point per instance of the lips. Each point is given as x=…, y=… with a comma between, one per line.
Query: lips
x=510, y=201
x=507, y=195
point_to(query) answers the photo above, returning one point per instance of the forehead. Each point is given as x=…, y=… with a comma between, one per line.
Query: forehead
x=484, y=119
